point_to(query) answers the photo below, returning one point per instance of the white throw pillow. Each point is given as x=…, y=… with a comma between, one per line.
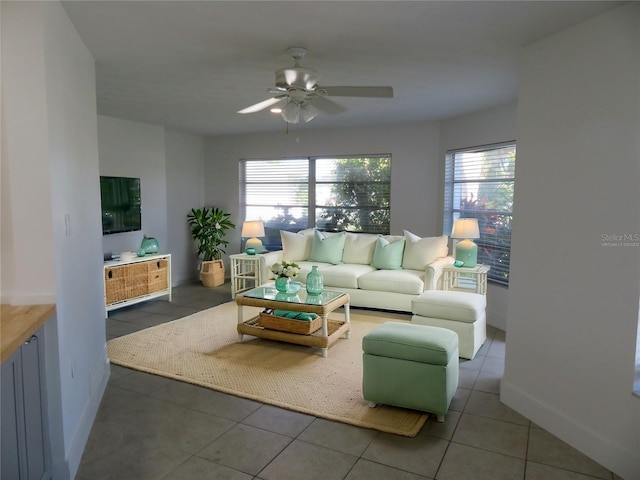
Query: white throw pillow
x=420, y=252
x=296, y=246
x=359, y=248
x=392, y=238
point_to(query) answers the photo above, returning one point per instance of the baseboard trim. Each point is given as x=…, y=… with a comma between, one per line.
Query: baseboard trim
x=603, y=450
x=98, y=384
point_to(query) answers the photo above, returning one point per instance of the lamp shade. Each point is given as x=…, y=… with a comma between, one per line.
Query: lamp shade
x=291, y=113
x=253, y=228
x=309, y=112
x=466, y=228
x=466, y=250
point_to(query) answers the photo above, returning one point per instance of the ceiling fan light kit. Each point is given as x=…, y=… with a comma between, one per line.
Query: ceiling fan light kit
x=298, y=87
x=291, y=113
x=309, y=112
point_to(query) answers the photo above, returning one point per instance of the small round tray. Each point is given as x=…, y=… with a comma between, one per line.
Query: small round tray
x=294, y=287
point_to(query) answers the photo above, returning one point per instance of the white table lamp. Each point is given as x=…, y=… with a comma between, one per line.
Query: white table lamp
x=466, y=249
x=253, y=229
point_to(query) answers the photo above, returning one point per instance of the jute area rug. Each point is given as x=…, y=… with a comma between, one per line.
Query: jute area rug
x=203, y=349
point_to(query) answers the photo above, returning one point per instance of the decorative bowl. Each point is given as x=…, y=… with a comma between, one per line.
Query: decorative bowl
x=294, y=287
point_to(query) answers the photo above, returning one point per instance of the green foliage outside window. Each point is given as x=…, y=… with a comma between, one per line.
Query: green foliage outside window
x=360, y=191
x=330, y=193
x=480, y=184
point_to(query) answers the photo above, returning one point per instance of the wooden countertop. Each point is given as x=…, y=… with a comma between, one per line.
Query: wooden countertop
x=18, y=323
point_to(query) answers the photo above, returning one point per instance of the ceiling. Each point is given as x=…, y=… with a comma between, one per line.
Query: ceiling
x=191, y=65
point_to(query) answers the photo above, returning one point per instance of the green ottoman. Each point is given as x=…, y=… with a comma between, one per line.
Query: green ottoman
x=410, y=366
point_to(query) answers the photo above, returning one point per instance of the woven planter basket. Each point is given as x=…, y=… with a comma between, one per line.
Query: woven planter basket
x=212, y=273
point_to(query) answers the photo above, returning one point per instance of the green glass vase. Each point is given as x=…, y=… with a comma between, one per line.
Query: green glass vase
x=150, y=245
x=315, y=282
x=282, y=284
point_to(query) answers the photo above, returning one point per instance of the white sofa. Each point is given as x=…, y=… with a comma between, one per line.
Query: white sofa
x=385, y=272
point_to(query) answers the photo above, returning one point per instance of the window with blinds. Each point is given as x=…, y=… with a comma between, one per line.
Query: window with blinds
x=331, y=193
x=479, y=184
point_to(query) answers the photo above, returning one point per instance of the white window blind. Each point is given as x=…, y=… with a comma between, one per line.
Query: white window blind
x=331, y=193
x=479, y=183
x=276, y=190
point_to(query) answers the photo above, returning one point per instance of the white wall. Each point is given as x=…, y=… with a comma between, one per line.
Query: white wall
x=185, y=190
x=49, y=128
x=573, y=302
x=170, y=168
x=416, y=203
x=133, y=149
x=27, y=238
x=494, y=125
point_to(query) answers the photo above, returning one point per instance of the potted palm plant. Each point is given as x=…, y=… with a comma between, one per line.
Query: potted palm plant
x=209, y=226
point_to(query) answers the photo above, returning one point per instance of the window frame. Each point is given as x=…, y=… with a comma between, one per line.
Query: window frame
x=312, y=183
x=450, y=212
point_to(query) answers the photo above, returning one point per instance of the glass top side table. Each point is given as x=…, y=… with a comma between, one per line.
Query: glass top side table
x=465, y=279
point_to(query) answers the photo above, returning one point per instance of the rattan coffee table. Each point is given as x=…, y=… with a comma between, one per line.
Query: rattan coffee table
x=268, y=297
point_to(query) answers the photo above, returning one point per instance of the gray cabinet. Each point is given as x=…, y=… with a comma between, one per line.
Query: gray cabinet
x=24, y=447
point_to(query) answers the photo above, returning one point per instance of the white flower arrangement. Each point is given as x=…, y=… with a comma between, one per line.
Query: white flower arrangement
x=285, y=269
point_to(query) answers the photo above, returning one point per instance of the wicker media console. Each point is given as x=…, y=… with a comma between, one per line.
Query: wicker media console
x=136, y=280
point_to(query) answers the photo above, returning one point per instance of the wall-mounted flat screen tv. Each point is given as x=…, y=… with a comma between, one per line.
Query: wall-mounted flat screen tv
x=120, y=197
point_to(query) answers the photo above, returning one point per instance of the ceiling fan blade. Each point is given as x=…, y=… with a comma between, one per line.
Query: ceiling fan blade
x=261, y=105
x=372, y=92
x=327, y=106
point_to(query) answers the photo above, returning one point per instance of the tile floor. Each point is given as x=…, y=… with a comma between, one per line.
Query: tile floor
x=149, y=427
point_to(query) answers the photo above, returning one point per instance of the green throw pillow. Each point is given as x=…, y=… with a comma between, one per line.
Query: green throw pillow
x=327, y=249
x=388, y=256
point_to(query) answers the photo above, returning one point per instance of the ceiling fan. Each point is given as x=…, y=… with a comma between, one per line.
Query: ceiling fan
x=298, y=93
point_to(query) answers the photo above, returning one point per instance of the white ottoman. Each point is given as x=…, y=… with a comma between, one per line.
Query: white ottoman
x=462, y=312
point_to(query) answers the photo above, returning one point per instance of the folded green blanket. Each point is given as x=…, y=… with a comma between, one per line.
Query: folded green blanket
x=305, y=317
